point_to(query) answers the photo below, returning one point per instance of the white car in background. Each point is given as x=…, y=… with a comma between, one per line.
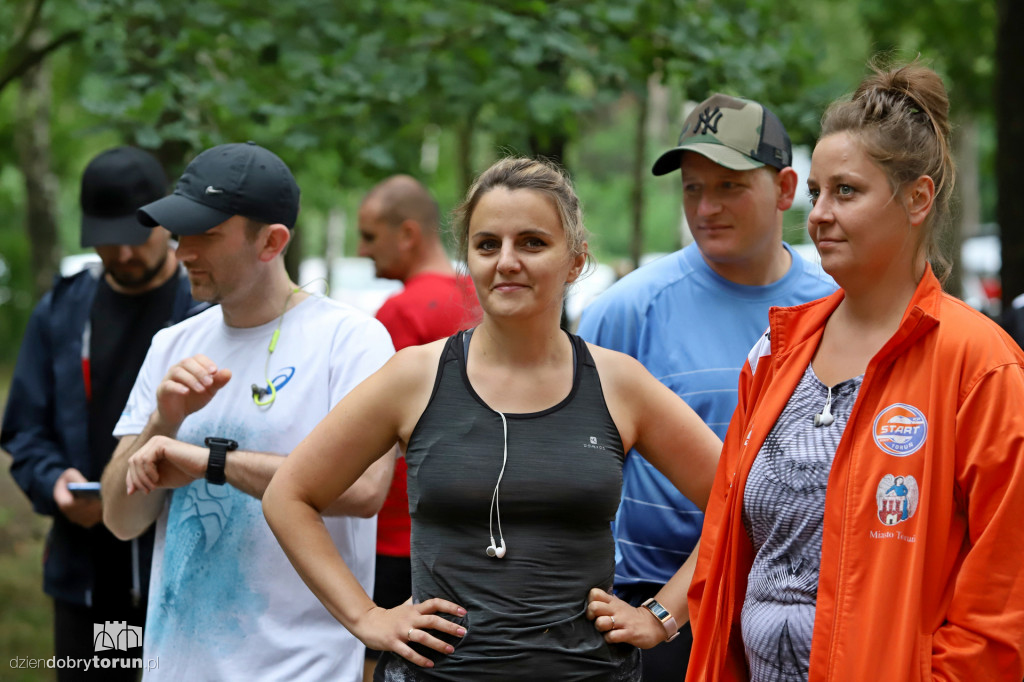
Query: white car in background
x=352, y=280
x=981, y=261
x=75, y=263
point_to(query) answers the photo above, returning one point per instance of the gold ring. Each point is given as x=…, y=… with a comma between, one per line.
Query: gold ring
x=613, y=621
x=408, y=635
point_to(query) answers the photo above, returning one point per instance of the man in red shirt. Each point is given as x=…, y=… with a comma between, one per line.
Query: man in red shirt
x=399, y=228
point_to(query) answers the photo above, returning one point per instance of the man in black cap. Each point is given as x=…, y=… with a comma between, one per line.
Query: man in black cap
x=82, y=349
x=690, y=318
x=219, y=402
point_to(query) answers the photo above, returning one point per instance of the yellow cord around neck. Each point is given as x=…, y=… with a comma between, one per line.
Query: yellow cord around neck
x=271, y=390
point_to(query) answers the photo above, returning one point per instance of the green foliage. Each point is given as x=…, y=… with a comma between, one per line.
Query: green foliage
x=956, y=37
x=15, y=275
x=348, y=93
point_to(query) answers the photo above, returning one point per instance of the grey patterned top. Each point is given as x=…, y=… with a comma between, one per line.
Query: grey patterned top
x=783, y=511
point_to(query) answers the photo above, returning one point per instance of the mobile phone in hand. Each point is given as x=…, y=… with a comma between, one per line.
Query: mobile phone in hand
x=87, y=489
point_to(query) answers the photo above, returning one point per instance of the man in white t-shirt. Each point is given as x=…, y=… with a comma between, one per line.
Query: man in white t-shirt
x=217, y=404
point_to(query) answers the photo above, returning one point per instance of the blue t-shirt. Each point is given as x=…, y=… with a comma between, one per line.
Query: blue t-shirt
x=692, y=329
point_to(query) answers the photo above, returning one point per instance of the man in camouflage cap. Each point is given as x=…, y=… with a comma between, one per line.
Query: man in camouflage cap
x=690, y=318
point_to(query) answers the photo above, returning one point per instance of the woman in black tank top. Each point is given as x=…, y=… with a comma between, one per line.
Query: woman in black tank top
x=514, y=435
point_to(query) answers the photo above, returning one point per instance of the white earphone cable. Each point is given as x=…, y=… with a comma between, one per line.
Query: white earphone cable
x=495, y=502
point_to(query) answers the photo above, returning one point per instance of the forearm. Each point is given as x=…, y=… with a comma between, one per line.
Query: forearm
x=366, y=496
x=251, y=473
x=300, y=529
x=673, y=594
x=128, y=516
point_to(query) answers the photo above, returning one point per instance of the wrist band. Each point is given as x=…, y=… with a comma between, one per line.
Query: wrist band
x=664, y=617
x=219, y=449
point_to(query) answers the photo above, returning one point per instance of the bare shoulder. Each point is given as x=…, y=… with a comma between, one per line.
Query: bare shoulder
x=416, y=356
x=411, y=366
x=623, y=379
x=617, y=369
x=408, y=379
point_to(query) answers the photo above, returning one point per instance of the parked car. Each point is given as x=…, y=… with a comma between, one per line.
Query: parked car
x=76, y=262
x=352, y=280
x=980, y=265
x=586, y=289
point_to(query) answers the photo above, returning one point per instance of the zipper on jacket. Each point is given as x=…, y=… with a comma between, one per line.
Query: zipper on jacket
x=851, y=420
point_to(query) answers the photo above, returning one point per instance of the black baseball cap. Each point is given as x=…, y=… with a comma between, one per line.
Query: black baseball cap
x=739, y=134
x=227, y=180
x=114, y=185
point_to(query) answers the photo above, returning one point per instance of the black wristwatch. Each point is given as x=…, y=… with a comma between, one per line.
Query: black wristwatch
x=219, y=449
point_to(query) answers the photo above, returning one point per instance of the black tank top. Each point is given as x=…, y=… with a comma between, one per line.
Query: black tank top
x=558, y=495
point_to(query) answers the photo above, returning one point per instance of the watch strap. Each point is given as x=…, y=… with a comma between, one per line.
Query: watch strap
x=219, y=449
x=664, y=617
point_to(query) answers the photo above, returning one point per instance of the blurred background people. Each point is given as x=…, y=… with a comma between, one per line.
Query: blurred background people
x=83, y=347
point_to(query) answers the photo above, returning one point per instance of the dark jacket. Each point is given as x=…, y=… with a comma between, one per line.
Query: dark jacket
x=1013, y=320
x=45, y=428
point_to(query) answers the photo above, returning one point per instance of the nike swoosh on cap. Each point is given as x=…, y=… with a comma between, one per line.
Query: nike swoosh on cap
x=210, y=189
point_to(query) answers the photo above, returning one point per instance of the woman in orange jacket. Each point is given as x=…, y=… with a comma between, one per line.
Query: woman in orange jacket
x=865, y=518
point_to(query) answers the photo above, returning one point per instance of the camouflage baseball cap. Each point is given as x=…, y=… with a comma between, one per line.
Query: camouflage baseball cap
x=736, y=133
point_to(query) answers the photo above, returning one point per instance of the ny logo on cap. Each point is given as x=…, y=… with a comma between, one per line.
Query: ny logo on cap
x=708, y=118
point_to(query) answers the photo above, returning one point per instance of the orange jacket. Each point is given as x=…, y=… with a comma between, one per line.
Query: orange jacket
x=936, y=596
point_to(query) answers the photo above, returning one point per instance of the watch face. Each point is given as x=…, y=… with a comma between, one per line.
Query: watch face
x=659, y=611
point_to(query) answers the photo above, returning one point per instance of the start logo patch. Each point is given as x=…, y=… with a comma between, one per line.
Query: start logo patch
x=900, y=430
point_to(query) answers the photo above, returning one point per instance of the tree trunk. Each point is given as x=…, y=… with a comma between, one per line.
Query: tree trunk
x=33, y=147
x=549, y=144
x=636, y=242
x=334, y=244
x=967, y=222
x=1010, y=133
x=464, y=153
x=173, y=155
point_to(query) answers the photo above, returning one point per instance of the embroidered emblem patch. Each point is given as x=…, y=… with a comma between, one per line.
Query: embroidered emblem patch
x=900, y=430
x=897, y=498
x=708, y=120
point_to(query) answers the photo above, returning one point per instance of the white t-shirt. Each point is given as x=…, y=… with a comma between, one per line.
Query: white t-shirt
x=224, y=601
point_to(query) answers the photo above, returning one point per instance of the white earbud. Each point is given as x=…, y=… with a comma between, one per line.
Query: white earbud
x=825, y=418
x=498, y=550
